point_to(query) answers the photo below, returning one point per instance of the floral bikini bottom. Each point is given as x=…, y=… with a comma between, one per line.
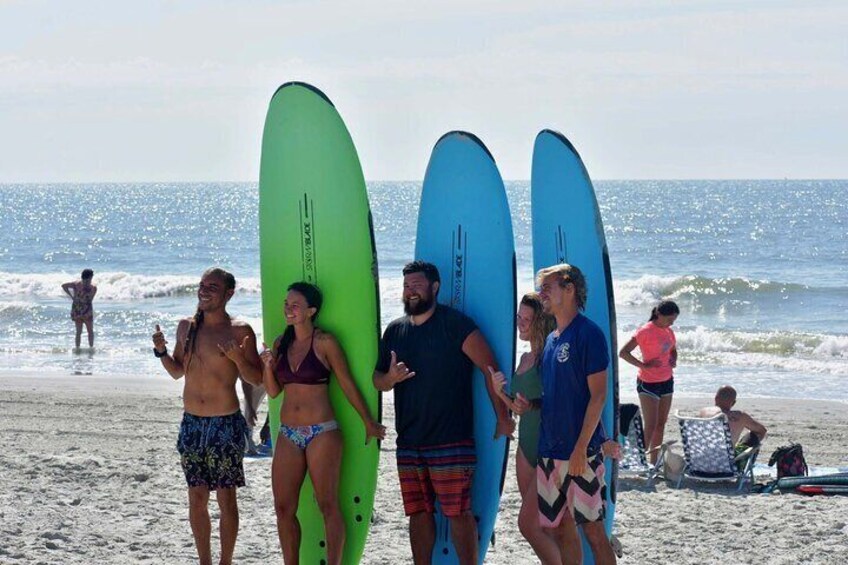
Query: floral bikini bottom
x=302, y=436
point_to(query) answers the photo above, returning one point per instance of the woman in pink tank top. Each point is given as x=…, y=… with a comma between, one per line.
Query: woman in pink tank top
x=655, y=382
x=309, y=440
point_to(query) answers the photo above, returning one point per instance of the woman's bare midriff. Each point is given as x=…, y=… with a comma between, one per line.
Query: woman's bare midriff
x=305, y=405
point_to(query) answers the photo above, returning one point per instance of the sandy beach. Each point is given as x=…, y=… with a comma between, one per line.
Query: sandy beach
x=91, y=475
x=691, y=152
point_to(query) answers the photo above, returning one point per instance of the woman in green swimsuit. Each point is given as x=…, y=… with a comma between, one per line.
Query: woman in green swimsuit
x=533, y=326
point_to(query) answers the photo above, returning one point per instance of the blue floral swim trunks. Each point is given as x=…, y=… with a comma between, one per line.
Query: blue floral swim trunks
x=212, y=449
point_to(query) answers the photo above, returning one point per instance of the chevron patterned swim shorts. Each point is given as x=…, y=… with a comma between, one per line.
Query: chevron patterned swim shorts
x=583, y=496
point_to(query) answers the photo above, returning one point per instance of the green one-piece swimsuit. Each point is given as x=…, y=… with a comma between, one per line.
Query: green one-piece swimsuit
x=529, y=384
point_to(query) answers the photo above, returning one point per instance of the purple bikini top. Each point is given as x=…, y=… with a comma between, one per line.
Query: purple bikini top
x=310, y=372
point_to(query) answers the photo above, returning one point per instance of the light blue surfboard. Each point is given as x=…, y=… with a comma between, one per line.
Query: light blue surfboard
x=464, y=228
x=567, y=228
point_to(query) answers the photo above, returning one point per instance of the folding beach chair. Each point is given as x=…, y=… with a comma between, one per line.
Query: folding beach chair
x=635, y=459
x=710, y=455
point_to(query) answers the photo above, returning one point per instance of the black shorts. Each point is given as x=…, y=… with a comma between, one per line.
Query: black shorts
x=655, y=390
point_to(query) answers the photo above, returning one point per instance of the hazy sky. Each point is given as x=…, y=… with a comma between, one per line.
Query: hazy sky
x=158, y=91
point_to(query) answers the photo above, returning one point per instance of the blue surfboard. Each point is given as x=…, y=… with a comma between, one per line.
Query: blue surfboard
x=464, y=228
x=567, y=228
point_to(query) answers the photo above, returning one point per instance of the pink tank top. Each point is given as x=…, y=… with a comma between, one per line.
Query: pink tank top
x=655, y=343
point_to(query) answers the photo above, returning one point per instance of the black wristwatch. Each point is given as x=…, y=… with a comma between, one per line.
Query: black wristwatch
x=159, y=355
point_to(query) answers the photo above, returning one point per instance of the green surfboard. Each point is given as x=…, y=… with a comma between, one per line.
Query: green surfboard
x=315, y=226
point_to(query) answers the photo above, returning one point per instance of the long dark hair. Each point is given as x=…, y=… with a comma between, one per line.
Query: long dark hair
x=197, y=320
x=664, y=308
x=314, y=299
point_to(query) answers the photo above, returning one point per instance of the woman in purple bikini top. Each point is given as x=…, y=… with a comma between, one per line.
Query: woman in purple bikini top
x=307, y=418
x=310, y=372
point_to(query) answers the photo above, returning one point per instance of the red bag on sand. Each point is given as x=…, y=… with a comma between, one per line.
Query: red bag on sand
x=789, y=460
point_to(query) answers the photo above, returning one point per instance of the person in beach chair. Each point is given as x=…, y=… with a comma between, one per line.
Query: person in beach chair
x=739, y=421
x=710, y=454
x=634, y=460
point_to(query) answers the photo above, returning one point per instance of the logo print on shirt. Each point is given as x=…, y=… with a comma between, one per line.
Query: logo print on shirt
x=562, y=353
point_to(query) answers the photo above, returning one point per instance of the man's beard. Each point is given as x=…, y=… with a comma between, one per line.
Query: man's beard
x=424, y=303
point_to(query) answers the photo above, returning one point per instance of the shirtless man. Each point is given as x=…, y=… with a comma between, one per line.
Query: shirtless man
x=212, y=350
x=739, y=421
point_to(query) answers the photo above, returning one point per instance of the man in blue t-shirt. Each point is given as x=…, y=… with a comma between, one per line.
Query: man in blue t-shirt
x=570, y=470
x=427, y=358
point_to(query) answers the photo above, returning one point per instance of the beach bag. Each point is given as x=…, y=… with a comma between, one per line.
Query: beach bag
x=789, y=460
x=673, y=466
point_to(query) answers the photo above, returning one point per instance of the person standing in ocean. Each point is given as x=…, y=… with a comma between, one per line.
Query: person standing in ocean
x=82, y=310
x=427, y=357
x=655, y=383
x=570, y=472
x=211, y=351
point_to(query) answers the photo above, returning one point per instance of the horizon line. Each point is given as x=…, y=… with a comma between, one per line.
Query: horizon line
x=148, y=182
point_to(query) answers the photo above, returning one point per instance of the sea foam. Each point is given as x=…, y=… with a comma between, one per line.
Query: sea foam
x=117, y=286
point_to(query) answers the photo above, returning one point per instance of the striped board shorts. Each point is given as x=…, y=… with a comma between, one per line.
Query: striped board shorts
x=583, y=496
x=442, y=472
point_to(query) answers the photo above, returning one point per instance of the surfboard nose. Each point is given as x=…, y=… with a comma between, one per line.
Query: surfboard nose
x=461, y=137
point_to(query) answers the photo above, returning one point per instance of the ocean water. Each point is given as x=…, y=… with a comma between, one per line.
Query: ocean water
x=759, y=268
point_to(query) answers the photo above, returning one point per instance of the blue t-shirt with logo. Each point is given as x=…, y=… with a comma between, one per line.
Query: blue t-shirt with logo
x=567, y=361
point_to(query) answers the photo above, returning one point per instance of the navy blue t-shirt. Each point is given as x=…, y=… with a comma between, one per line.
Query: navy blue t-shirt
x=567, y=361
x=435, y=407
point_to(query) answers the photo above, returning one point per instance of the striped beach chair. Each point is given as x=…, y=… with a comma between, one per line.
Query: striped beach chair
x=635, y=459
x=710, y=455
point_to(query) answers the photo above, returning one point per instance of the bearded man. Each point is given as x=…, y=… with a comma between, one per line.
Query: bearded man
x=427, y=357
